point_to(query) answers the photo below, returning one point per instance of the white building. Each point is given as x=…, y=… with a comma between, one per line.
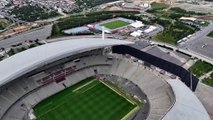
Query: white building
x=137, y=24
x=150, y=29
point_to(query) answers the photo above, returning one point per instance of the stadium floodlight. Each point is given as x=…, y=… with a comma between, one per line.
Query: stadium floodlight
x=103, y=32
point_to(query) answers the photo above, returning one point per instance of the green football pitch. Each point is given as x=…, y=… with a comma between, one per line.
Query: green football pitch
x=90, y=99
x=115, y=24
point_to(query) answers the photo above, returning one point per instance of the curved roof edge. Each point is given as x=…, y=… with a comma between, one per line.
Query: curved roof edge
x=26, y=61
x=187, y=105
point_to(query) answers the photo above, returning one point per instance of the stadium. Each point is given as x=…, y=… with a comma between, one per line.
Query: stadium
x=113, y=25
x=95, y=79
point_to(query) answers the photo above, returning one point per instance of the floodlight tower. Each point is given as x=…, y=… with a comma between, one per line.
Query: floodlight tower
x=103, y=32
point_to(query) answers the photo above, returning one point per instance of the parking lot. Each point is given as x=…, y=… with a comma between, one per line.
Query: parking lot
x=200, y=43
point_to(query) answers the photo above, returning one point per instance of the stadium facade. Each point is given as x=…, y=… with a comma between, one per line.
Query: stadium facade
x=31, y=76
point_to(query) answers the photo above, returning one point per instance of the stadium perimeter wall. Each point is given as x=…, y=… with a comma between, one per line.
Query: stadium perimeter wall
x=190, y=80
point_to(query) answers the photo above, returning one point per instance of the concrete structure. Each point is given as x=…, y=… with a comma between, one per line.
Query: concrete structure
x=188, y=19
x=192, y=53
x=150, y=29
x=21, y=63
x=187, y=105
x=137, y=24
x=76, y=30
x=166, y=100
x=136, y=33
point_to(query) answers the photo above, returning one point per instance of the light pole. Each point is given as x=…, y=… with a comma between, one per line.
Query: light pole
x=103, y=32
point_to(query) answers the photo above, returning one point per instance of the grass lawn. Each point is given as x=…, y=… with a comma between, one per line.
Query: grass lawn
x=158, y=6
x=115, y=24
x=4, y=23
x=87, y=100
x=174, y=32
x=174, y=29
x=210, y=34
x=200, y=68
x=165, y=37
x=208, y=81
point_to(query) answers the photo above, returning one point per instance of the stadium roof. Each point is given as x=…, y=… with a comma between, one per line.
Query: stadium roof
x=150, y=29
x=137, y=24
x=26, y=61
x=187, y=106
x=136, y=33
x=188, y=18
x=76, y=30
